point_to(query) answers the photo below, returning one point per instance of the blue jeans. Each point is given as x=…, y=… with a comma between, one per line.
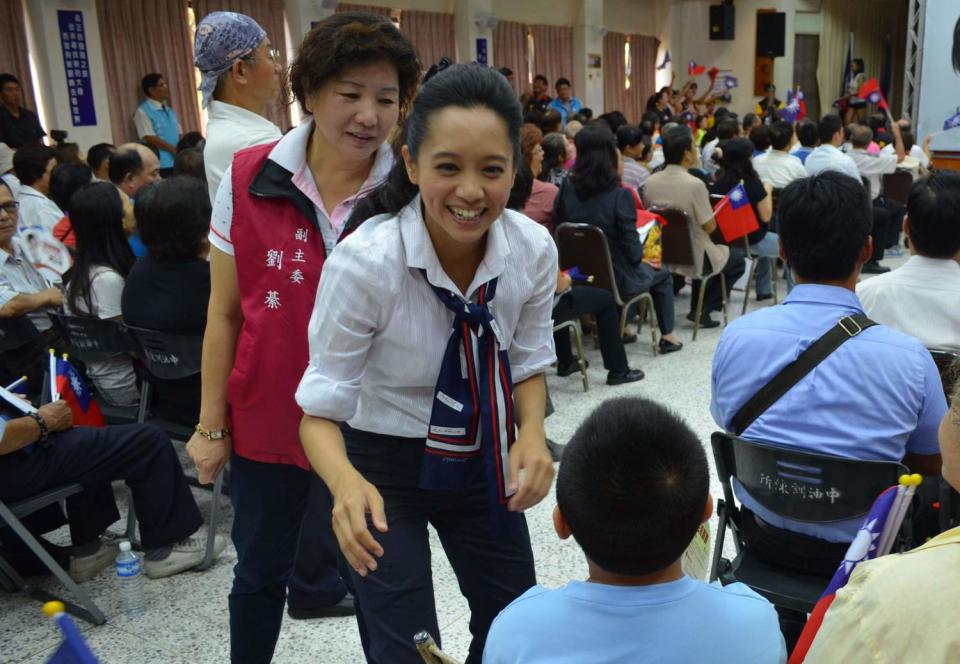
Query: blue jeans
x=763, y=251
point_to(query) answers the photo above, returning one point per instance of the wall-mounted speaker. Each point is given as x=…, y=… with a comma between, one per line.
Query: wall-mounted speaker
x=771, y=32
x=722, y=18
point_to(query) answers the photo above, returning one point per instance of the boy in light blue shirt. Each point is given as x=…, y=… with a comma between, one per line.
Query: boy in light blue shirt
x=632, y=489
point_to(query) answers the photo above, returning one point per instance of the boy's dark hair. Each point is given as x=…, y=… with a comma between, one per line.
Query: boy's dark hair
x=150, y=81
x=595, y=171
x=65, y=180
x=562, y=81
x=727, y=128
x=348, y=40
x=586, y=114
x=676, y=143
x=457, y=86
x=933, y=211
x=808, y=133
x=189, y=140
x=126, y=161
x=30, y=162
x=190, y=162
x=505, y=71
x=628, y=136
x=98, y=153
x=760, y=137
x=781, y=132
x=823, y=223
x=173, y=217
x=542, y=79
x=749, y=120
x=829, y=125
x=633, y=486
x=8, y=78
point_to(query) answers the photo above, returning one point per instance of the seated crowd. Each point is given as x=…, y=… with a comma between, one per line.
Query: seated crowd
x=633, y=486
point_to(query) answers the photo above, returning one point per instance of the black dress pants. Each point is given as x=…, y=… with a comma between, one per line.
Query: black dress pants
x=584, y=300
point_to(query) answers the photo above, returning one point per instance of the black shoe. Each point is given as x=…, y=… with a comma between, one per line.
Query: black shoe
x=873, y=267
x=621, y=377
x=556, y=449
x=341, y=609
x=629, y=338
x=564, y=370
x=765, y=296
x=705, y=321
x=669, y=347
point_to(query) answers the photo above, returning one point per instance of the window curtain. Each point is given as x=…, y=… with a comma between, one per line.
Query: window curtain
x=370, y=9
x=270, y=15
x=13, y=48
x=643, y=73
x=553, y=55
x=432, y=34
x=615, y=93
x=143, y=36
x=510, y=49
x=870, y=28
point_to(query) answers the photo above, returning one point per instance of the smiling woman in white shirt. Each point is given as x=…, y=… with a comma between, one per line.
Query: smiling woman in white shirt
x=408, y=432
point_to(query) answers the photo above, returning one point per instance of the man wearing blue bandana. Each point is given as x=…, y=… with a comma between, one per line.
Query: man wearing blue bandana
x=156, y=121
x=240, y=77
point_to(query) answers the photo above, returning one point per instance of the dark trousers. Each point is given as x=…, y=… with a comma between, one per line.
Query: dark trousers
x=881, y=232
x=659, y=283
x=141, y=455
x=584, y=300
x=713, y=298
x=282, y=532
x=890, y=213
x=396, y=601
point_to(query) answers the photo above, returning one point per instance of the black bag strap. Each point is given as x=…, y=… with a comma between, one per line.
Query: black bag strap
x=793, y=373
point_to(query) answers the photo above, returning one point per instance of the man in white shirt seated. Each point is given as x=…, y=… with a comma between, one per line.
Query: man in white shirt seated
x=922, y=298
x=33, y=165
x=240, y=77
x=917, y=161
x=872, y=166
x=778, y=167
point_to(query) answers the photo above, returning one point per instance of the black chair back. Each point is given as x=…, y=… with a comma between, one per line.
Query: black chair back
x=677, y=247
x=948, y=363
x=93, y=339
x=585, y=247
x=168, y=356
x=897, y=185
x=802, y=486
x=18, y=332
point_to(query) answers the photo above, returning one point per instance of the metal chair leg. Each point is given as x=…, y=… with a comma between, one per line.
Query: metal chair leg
x=699, y=312
x=212, y=526
x=723, y=293
x=581, y=361
x=132, y=521
x=746, y=290
x=654, y=323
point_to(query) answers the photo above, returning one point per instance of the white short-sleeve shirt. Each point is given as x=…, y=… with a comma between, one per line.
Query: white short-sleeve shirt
x=229, y=129
x=378, y=330
x=290, y=153
x=830, y=158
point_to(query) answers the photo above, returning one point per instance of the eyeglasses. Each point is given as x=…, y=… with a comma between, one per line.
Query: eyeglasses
x=10, y=207
x=272, y=54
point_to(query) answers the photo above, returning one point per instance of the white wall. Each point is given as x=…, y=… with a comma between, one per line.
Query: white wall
x=689, y=40
x=48, y=60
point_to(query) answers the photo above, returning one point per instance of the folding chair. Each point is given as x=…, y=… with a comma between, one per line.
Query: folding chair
x=897, y=186
x=20, y=339
x=716, y=198
x=574, y=328
x=585, y=246
x=92, y=339
x=948, y=363
x=168, y=356
x=802, y=486
x=10, y=516
x=678, y=250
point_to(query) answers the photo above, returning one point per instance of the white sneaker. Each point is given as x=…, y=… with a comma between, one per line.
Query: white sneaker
x=85, y=568
x=185, y=555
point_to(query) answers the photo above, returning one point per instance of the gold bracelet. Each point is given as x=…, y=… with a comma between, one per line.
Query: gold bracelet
x=219, y=434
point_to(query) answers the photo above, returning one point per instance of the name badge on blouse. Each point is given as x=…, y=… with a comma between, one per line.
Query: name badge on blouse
x=496, y=331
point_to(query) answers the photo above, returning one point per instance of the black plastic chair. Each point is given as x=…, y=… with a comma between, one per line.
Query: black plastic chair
x=10, y=516
x=897, y=185
x=801, y=486
x=166, y=356
x=15, y=333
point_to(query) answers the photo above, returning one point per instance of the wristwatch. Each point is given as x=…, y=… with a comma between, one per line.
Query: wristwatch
x=219, y=434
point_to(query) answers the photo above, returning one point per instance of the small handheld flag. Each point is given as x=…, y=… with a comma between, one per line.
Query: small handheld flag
x=69, y=385
x=73, y=649
x=731, y=82
x=795, y=109
x=734, y=215
x=577, y=276
x=953, y=121
x=693, y=69
x=666, y=61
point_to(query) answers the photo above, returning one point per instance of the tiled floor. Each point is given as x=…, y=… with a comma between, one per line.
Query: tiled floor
x=186, y=620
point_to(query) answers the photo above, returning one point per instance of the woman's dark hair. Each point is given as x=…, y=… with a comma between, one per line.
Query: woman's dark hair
x=859, y=63
x=652, y=103
x=522, y=188
x=190, y=162
x=30, y=162
x=628, y=136
x=735, y=163
x=457, y=86
x=596, y=169
x=65, y=180
x=189, y=140
x=96, y=215
x=614, y=120
x=349, y=40
x=173, y=217
x=68, y=153
x=956, y=47
x=554, y=154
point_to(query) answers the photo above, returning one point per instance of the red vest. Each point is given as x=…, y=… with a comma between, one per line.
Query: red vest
x=279, y=253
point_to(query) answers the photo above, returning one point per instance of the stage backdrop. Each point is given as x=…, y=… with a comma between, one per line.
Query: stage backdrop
x=940, y=76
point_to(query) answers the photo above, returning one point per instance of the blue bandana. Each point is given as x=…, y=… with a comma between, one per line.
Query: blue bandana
x=222, y=39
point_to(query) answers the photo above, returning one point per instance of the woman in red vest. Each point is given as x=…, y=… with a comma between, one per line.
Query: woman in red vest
x=277, y=215
x=428, y=343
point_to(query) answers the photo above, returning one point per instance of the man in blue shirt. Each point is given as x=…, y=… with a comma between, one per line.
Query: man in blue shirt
x=565, y=103
x=877, y=397
x=633, y=490
x=157, y=122
x=808, y=137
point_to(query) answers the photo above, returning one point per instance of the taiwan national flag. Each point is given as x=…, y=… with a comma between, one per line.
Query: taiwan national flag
x=734, y=215
x=872, y=93
x=74, y=391
x=73, y=649
x=872, y=540
x=795, y=109
x=693, y=69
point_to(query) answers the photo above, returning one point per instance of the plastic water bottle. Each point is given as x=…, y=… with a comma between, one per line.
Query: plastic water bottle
x=130, y=579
